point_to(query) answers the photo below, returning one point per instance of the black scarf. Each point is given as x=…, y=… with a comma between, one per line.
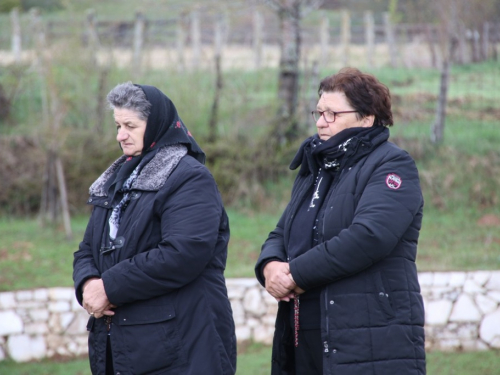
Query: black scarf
x=315, y=153
x=164, y=127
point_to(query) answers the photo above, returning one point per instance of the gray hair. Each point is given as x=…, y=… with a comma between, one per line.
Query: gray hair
x=127, y=95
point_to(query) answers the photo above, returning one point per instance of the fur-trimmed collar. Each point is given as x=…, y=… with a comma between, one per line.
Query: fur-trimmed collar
x=151, y=178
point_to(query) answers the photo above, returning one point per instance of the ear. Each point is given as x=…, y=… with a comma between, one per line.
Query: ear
x=368, y=121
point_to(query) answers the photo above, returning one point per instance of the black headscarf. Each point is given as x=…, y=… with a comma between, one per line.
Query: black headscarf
x=164, y=127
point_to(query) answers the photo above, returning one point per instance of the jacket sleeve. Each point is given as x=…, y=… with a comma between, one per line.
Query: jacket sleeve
x=272, y=249
x=191, y=211
x=381, y=218
x=84, y=266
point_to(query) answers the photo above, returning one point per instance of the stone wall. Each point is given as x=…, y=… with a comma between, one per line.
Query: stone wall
x=462, y=313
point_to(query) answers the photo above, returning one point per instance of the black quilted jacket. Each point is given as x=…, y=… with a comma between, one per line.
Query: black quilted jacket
x=372, y=314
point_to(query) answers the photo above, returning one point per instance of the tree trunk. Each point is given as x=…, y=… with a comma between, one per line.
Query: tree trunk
x=214, y=113
x=437, y=129
x=288, y=81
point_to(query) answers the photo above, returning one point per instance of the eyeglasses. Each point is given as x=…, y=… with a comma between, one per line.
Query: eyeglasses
x=329, y=116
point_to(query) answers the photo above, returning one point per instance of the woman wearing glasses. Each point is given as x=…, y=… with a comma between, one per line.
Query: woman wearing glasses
x=341, y=260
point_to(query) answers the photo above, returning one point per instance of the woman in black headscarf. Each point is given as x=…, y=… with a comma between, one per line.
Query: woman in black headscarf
x=150, y=268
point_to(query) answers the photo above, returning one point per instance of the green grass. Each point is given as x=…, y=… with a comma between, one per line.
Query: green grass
x=32, y=256
x=254, y=359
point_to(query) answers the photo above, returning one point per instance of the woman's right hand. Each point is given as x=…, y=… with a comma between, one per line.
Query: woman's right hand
x=278, y=282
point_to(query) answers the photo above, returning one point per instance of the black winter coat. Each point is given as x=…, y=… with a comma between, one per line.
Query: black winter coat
x=166, y=277
x=372, y=313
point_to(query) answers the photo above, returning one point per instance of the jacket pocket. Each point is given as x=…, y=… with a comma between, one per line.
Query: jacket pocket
x=149, y=333
x=383, y=295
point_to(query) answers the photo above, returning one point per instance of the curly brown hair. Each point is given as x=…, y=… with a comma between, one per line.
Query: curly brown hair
x=364, y=92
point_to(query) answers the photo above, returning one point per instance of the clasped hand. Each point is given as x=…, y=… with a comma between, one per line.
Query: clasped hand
x=95, y=300
x=279, y=281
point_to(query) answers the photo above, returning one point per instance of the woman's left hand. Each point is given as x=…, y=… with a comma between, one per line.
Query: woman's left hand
x=297, y=289
x=95, y=300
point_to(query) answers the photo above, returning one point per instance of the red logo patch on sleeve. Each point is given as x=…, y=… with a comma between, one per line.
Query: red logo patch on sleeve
x=393, y=181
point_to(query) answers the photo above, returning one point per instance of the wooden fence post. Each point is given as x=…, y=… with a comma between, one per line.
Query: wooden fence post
x=180, y=44
x=218, y=38
x=258, y=24
x=16, y=34
x=391, y=41
x=486, y=41
x=462, y=45
x=324, y=41
x=93, y=43
x=369, y=38
x=195, y=39
x=138, y=42
x=346, y=36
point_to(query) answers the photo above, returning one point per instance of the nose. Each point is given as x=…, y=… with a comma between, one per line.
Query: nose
x=321, y=123
x=121, y=135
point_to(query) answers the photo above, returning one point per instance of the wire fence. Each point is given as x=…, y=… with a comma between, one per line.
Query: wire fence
x=249, y=37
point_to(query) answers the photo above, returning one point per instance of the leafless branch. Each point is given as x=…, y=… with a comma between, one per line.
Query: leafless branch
x=311, y=5
x=274, y=4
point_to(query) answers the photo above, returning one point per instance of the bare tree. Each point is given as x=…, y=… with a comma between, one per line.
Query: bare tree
x=54, y=196
x=290, y=14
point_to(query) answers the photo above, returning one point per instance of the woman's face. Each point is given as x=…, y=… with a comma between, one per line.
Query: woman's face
x=130, y=131
x=336, y=101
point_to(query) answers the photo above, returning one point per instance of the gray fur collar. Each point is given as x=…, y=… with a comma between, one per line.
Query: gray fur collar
x=152, y=177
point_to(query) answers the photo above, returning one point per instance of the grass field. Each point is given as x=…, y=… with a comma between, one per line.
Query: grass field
x=32, y=256
x=255, y=360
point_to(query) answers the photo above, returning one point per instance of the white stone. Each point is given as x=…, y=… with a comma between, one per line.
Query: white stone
x=489, y=331
x=449, y=345
x=75, y=306
x=481, y=277
x=24, y=295
x=494, y=281
x=236, y=292
x=41, y=295
x=272, y=310
x=23, y=348
x=469, y=345
x=243, y=333
x=36, y=329
x=440, y=292
x=238, y=312
x=66, y=319
x=61, y=294
x=441, y=279
x=59, y=306
x=425, y=278
x=437, y=312
x=472, y=287
x=10, y=323
x=251, y=322
x=73, y=348
x=78, y=325
x=39, y=315
x=467, y=332
x=481, y=345
x=253, y=302
x=29, y=305
x=465, y=310
x=486, y=304
x=269, y=320
x=7, y=300
x=268, y=299
x=263, y=334
x=246, y=283
x=493, y=294
x=457, y=279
